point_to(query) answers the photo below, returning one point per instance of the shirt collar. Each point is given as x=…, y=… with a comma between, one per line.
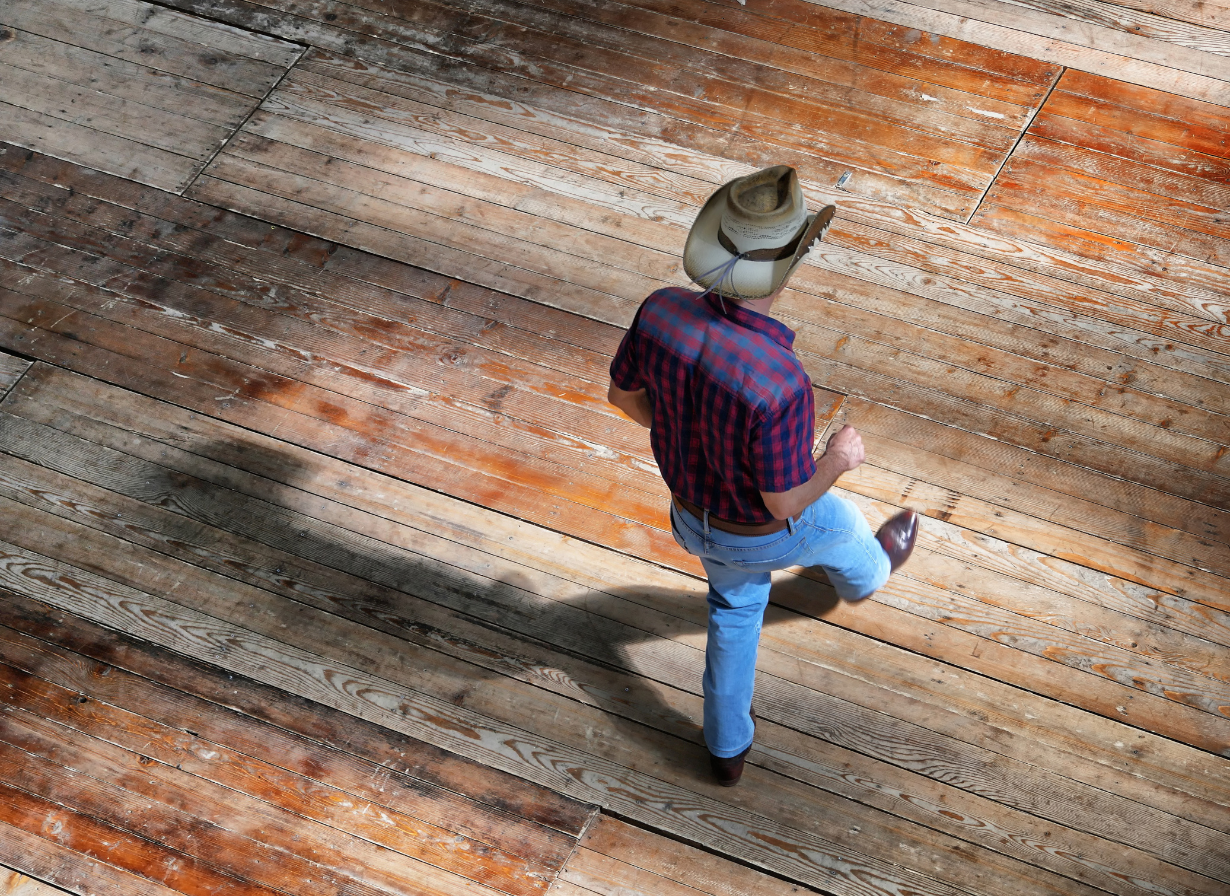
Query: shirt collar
x=752, y=320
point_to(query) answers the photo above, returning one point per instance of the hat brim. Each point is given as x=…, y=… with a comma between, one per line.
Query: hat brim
x=703, y=254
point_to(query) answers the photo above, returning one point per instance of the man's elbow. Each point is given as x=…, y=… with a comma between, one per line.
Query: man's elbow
x=783, y=505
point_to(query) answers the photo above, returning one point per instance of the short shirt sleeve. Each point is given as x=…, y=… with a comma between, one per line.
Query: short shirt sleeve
x=625, y=370
x=781, y=445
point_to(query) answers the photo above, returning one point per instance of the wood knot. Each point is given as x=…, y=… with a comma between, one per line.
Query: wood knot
x=6, y=34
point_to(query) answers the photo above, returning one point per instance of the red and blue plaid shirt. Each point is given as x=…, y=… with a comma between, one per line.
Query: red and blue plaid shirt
x=733, y=413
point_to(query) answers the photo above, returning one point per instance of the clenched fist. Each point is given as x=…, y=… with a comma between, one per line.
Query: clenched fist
x=845, y=448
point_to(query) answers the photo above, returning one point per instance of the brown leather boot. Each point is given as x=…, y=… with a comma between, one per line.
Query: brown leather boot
x=897, y=537
x=729, y=770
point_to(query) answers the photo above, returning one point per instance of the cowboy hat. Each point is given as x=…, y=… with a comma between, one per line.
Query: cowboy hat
x=752, y=234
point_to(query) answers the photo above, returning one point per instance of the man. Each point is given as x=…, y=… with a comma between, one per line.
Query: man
x=732, y=423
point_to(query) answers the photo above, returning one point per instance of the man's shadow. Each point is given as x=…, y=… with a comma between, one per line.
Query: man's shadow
x=581, y=642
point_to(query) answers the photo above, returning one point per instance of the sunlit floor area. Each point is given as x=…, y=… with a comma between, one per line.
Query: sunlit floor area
x=327, y=569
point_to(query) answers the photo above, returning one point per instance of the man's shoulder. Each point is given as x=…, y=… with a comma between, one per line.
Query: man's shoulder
x=671, y=314
x=670, y=299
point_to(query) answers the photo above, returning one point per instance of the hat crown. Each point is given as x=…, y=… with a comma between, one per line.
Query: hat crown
x=765, y=209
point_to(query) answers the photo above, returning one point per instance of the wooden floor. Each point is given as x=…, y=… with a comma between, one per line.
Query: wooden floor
x=325, y=568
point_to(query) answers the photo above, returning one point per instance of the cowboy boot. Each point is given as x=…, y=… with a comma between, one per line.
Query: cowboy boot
x=897, y=537
x=728, y=770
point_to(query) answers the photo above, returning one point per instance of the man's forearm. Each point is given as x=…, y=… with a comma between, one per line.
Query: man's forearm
x=844, y=453
x=793, y=502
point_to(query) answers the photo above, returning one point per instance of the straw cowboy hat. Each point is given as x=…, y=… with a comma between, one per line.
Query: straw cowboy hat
x=752, y=233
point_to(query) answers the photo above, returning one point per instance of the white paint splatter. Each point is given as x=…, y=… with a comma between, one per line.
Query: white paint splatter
x=986, y=112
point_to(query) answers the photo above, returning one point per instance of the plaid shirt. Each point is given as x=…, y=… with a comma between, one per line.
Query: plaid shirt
x=732, y=407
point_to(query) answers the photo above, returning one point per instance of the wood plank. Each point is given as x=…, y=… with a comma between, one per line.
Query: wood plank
x=191, y=502
x=86, y=580
x=1133, y=44
x=441, y=382
x=191, y=28
x=644, y=136
x=614, y=782
x=1169, y=116
x=151, y=49
x=214, y=316
x=1066, y=890
x=421, y=208
x=828, y=58
x=1100, y=446
x=417, y=435
x=364, y=150
x=1155, y=348
x=84, y=793
x=1155, y=440
x=308, y=266
x=1101, y=324
x=98, y=840
x=592, y=107
x=163, y=367
x=106, y=114
x=118, y=77
x=552, y=39
x=31, y=446
x=1145, y=150
x=807, y=306
x=546, y=551
x=74, y=872
x=12, y=369
x=1076, y=247
x=156, y=660
x=970, y=20
x=124, y=158
x=1185, y=202
x=444, y=421
x=1211, y=13
x=1140, y=21
x=657, y=861
x=201, y=797
x=333, y=109
x=816, y=37
x=347, y=270
x=418, y=780
x=226, y=513
x=14, y=883
x=1036, y=535
x=1040, y=187
x=1100, y=207
x=382, y=237
x=723, y=77
x=1032, y=491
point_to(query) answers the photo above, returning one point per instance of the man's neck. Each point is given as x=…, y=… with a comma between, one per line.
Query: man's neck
x=762, y=305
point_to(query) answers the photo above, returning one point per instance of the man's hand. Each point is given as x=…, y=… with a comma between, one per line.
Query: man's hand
x=843, y=453
x=845, y=449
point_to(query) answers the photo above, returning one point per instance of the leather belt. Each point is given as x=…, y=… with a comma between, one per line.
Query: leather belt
x=728, y=526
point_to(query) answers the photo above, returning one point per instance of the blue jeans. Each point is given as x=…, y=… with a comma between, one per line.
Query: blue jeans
x=831, y=534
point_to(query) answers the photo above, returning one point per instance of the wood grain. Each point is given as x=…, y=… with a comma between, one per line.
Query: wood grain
x=546, y=557
x=12, y=368
x=17, y=884
x=69, y=870
x=252, y=812
x=132, y=41
x=1005, y=28
x=452, y=725
x=476, y=695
